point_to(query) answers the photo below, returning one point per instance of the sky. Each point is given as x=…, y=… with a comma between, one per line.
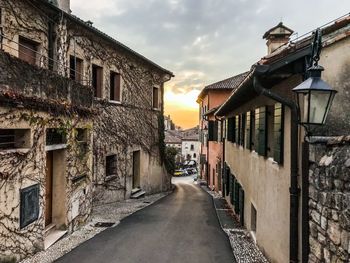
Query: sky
x=202, y=41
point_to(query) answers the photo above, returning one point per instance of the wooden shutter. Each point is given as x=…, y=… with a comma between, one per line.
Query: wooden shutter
x=230, y=129
x=211, y=130
x=241, y=206
x=27, y=50
x=236, y=140
x=261, y=131
x=97, y=80
x=278, y=132
x=242, y=129
x=155, y=98
x=248, y=131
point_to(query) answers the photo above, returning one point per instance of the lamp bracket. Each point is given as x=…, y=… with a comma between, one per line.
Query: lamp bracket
x=316, y=46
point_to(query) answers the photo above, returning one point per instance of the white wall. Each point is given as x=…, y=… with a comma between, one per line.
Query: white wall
x=186, y=149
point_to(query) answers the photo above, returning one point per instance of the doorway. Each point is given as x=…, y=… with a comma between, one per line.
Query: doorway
x=136, y=156
x=48, y=189
x=55, y=189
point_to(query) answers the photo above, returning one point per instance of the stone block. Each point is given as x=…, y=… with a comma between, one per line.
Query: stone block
x=334, y=232
x=339, y=185
x=316, y=249
x=344, y=219
x=345, y=235
x=335, y=215
x=313, y=229
x=347, y=163
x=324, y=222
x=321, y=239
x=316, y=217
x=327, y=255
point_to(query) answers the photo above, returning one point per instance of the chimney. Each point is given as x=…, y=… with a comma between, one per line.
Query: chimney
x=277, y=36
x=62, y=4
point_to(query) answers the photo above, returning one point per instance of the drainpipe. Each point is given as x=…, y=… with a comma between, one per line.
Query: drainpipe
x=294, y=189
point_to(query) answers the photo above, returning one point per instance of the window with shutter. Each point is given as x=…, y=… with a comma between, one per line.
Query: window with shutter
x=278, y=131
x=261, y=131
x=76, y=69
x=242, y=129
x=155, y=98
x=230, y=129
x=211, y=130
x=115, y=86
x=97, y=80
x=236, y=129
x=248, y=131
x=27, y=50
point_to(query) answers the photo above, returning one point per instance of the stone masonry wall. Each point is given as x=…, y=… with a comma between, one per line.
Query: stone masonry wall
x=329, y=202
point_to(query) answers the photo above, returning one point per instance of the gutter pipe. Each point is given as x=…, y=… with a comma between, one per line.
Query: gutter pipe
x=294, y=190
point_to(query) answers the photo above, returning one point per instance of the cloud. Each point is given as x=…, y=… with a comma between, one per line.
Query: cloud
x=203, y=41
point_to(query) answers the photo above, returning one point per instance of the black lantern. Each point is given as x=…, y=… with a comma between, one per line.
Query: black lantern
x=315, y=97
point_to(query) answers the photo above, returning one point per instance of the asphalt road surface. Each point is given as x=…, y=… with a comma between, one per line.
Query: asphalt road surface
x=181, y=227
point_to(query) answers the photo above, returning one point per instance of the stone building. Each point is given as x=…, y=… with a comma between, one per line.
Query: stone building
x=81, y=121
x=258, y=175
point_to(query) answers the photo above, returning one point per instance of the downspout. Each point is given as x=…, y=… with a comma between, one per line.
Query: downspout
x=294, y=189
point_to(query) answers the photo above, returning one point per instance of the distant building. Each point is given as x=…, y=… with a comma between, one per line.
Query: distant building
x=211, y=152
x=190, y=148
x=168, y=123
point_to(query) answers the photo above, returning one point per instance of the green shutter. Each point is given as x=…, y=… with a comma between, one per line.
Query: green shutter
x=242, y=129
x=248, y=140
x=211, y=130
x=278, y=131
x=230, y=129
x=261, y=131
x=236, y=129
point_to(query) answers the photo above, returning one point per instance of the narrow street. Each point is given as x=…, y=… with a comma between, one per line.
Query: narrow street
x=181, y=227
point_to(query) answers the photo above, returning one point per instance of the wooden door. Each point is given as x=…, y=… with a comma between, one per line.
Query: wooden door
x=136, y=169
x=48, y=188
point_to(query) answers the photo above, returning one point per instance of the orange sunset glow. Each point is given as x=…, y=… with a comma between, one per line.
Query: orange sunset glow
x=182, y=107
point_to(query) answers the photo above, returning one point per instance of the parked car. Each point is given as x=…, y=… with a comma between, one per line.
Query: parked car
x=180, y=172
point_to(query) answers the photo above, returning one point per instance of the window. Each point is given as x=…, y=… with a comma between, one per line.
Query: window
x=237, y=126
x=111, y=165
x=278, y=131
x=55, y=136
x=76, y=69
x=27, y=50
x=155, y=102
x=211, y=130
x=115, y=87
x=97, y=80
x=29, y=205
x=230, y=129
x=253, y=218
x=194, y=155
x=261, y=131
x=192, y=147
x=14, y=138
x=242, y=124
x=248, y=131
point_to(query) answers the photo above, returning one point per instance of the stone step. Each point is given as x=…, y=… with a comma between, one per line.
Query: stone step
x=138, y=195
x=135, y=190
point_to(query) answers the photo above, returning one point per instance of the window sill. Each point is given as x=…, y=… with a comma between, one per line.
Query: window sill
x=116, y=102
x=18, y=150
x=111, y=177
x=156, y=109
x=55, y=147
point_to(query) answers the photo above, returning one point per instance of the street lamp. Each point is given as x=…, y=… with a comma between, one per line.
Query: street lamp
x=314, y=95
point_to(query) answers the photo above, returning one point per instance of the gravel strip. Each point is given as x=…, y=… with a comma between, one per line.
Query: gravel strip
x=243, y=246
x=113, y=212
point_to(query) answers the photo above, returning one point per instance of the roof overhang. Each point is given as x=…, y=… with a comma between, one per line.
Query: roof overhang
x=271, y=74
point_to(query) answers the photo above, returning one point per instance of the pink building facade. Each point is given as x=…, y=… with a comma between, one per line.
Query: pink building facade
x=211, y=129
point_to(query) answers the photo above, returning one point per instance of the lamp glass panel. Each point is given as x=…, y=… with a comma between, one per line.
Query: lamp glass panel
x=303, y=100
x=318, y=106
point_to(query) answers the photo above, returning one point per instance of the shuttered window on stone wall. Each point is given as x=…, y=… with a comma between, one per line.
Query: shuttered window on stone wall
x=278, y=131
x=248, y=131
x=261, y=131
x=230, y=129
x=211, y=130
